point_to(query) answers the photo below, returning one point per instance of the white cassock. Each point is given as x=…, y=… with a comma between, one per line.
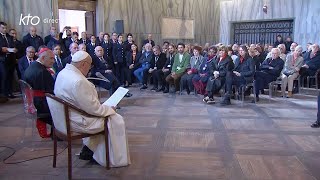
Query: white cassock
x=72, y=86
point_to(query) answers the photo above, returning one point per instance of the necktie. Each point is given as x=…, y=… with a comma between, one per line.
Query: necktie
x=4, y=37
x=58, y=62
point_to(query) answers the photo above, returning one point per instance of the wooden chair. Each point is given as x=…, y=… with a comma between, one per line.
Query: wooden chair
x=60, y=111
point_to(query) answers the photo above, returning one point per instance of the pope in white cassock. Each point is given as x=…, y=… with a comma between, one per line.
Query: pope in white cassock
x=72, y=86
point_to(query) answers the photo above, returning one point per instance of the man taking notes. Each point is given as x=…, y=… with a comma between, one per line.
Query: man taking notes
x=72, y=86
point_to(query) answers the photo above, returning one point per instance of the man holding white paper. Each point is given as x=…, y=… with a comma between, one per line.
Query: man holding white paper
x=72, y=86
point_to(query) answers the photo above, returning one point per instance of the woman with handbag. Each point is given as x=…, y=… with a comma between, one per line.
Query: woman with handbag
x=293, y=63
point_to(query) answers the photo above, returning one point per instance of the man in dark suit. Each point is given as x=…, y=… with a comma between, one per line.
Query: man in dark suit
x=157, y=63
x=58, y=64
x=100, y=38
x=32, y=39
x=26, y=60
x=114, y=38
x=73, y=39
x=128, y=42
x=20, y=49
x=118, y=52
x=84, y=39
x=312, y=62
x=149, y=40
x=270, y=71
x=166, y=70
x=52, y=32
x=7, y=60
x=74, y=47
x=91, y=46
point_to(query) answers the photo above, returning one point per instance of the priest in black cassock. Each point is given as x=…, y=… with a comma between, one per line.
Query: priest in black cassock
x=41, y=81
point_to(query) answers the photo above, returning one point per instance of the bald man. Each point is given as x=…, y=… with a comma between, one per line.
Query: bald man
x=41, y=81
x=32, y=39
x=73, y=48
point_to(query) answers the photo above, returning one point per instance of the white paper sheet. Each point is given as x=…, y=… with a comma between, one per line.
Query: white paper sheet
x=116, y=97
x=11, y=50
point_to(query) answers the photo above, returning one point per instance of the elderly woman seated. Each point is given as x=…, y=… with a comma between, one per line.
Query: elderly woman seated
x=195, y=62
x=291, y=70
x=270, y=71
x=220, y=75
x=244, y=69
x=200, y=80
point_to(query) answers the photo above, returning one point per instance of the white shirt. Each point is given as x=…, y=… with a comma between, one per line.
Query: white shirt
x=180, y=57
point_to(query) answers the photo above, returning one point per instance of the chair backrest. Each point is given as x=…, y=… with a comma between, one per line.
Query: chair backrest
x=27, y=94
x=60, y=113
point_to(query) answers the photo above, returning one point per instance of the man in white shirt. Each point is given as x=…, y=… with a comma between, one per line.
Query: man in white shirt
x=72, y=86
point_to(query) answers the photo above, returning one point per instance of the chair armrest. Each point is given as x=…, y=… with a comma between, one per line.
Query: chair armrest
x=68, y=105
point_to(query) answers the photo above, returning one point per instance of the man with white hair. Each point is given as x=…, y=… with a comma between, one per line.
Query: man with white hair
x=312, y=62
x=32, y=39
x=72, y=86
x=73, y=48
x=270, y=71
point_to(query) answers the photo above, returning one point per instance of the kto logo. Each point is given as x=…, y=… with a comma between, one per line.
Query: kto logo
x=35, y=20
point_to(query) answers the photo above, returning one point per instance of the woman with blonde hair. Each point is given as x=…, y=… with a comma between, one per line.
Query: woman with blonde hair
x=291, y=70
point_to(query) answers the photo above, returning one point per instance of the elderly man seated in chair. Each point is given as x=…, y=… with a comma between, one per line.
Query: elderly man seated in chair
x=103, y=69
x=72, y=86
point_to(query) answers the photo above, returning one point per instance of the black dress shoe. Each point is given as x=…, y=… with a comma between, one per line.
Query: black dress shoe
x=144, y=87
x=166, y=91
x=86, y=153
x=161, y=89
x=315, y=125
x=11, y=96
x=128, y=95
x=154, y=89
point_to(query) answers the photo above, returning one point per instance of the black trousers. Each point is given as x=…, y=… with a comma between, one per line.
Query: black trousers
x=158, y=78
x=165, y=83
x=262, y=79
x=119, y=71
x=145, y=76
x=3, y=78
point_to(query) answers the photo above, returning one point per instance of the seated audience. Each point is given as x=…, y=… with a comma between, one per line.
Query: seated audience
x=58, y=65
x=311, y=63
x=157, y=63
x=166, y=70
x=193, y=69
x=144, y=64
x=73, y=48
x=201, y=78
x=270, y=70
x=220, y=75
x=291, y=69
x=244, y=69
x=82, y=47
x=73, y=86
x=132, y=63
x=179, y=67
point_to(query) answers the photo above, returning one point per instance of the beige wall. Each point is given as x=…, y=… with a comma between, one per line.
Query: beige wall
x=144, y=16
x=11, y=10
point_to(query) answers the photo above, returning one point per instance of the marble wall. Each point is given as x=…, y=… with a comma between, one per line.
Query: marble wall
x=11, y=10
x=142, y=17
x=306, y=14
